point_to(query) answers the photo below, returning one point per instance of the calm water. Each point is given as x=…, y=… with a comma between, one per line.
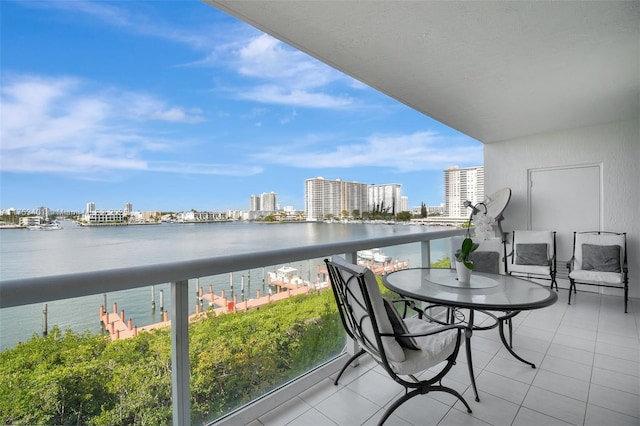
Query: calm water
x=26, y=253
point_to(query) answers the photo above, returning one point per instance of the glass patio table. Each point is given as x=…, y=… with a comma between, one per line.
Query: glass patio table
x=485, y=293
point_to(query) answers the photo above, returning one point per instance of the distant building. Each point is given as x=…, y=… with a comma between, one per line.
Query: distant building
x=461, y=185
x=404, y=203
x=91, y=207
x=386, y=197
x=324, y=197
x=268, y=202
x=254, y=203
x=30, y=220
x=43, y=212
x=104, y=217
x=195, y=216
x=436, y=210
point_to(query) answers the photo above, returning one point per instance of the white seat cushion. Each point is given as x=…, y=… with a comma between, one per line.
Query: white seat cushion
x=391, y=346
x=529, y=269
x=433, y=349
x=597, y=277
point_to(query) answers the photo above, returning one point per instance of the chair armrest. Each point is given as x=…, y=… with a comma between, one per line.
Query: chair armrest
x=408, y=303
x=570, y=263
x=437, y=330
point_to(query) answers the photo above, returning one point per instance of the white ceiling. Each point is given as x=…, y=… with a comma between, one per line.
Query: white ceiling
x=495, y=70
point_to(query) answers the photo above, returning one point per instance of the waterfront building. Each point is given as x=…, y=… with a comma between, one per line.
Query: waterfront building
x=461, y=184
x=404, y=203
x=254, y=203
x=268, y=202
x=104, y=217
x=325, y=198
x=195, y=216
x=30, y=221
x=387, y=196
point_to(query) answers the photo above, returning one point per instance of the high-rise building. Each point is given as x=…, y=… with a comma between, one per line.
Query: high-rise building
x=91, y=207
x=128, y=208
x=268, y=202
x=461, y=185
x=404, y=203
x=254, y=203
x=323, y=197
x=386, y=197
x=43, y=212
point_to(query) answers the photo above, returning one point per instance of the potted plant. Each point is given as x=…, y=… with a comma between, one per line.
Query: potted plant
x=464, y=265
x=465, y=250
x=482, y=226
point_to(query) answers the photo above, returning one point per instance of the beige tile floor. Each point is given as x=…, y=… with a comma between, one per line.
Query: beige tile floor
x=588, y=359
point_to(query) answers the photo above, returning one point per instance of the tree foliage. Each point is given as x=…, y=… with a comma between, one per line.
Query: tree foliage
x=403, y=216
x=71, y=378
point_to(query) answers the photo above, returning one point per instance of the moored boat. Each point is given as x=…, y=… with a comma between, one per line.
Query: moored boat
x=374, y=255
x=45, y=227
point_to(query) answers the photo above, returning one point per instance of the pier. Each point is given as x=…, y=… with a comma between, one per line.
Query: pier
x=119, y=327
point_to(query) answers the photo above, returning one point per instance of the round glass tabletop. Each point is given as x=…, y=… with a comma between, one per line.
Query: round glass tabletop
x=485, y=291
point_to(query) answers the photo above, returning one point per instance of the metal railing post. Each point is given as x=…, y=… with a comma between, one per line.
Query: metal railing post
x=425, y=253
x=180, y=393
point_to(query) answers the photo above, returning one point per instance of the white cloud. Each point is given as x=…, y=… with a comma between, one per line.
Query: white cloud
x=264, y=57
x=62, y=125
x=286, y=76
x=403, y=153
x=138, y=20
x=204, y=168
x=283, y=96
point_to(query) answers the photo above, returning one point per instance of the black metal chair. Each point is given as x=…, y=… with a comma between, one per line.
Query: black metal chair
x=404, y=347
x=533, y=255
x=599, y=259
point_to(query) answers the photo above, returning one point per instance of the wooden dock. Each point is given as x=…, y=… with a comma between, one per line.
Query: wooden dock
x=119, y=327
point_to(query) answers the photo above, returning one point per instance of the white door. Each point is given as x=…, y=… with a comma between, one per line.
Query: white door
x=565, y=200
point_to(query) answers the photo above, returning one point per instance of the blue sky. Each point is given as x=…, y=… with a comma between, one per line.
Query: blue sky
x=174, y=105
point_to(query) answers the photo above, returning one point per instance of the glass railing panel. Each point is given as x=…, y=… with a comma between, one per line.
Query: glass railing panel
x=257, y=330
x=305, y=327
x=60, y=366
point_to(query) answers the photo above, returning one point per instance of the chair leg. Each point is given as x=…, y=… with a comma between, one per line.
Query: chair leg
x=348, y=363
x=404, y=398
x=571, y=286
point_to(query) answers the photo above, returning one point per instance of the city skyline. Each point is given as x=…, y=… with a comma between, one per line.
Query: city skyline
x=254, y=202
x=176, y=106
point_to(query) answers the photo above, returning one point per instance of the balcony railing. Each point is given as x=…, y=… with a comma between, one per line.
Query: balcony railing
x=49, y=288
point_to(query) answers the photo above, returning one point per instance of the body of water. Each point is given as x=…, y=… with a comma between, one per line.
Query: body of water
x=26, y=254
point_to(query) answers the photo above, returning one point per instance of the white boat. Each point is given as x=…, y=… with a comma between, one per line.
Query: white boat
x=381, y=258
x=366, y=254
x=374, y=255
x=288, y=276
x=45, y=227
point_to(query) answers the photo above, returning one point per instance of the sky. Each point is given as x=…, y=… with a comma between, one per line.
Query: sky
x=174, y=105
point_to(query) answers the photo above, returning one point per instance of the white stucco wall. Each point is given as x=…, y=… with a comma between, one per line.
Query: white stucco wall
x=615, y=146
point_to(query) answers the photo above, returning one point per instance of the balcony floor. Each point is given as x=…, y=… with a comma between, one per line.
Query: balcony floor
x=588, y=359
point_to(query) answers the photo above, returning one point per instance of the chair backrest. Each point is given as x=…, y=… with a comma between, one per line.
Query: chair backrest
x=599, y=251
x=488, y=257
x=362, y=309
x=533, y=247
